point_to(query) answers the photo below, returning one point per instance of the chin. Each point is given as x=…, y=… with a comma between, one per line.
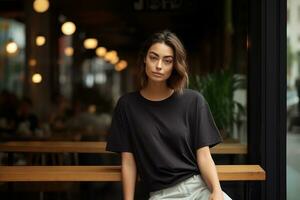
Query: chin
x=157, y=79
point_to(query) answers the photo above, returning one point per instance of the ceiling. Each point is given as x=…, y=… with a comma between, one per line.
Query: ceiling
x=125, y=24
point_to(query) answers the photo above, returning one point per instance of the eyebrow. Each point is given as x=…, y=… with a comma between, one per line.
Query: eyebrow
x=158, y=55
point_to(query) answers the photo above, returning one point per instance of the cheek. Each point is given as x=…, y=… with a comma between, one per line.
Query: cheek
x=147, y=68
x=169, y=70
x=147, y=64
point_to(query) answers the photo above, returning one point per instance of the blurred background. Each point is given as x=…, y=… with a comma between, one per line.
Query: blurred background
x=293, y=104
x=64, y=64
x=62, y=58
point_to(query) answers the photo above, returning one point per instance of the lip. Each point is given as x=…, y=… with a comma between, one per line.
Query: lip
x=157, y=74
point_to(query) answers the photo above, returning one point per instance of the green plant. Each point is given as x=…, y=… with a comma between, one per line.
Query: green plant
x=218, y=90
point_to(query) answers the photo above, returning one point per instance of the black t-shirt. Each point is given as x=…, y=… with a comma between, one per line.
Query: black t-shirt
x=163, y=135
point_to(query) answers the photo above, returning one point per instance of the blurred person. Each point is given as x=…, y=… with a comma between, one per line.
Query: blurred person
x=27, y=123
x=163, y=131
x=84, y=120
x=8, y=111
x=60, y=113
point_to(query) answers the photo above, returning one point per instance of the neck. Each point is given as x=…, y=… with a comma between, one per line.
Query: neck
x=156, y=90
x=157, y=87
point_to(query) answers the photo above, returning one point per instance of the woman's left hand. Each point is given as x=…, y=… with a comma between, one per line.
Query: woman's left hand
x=217, y=195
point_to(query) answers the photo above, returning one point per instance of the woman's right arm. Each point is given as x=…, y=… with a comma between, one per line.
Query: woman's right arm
x=129, y=175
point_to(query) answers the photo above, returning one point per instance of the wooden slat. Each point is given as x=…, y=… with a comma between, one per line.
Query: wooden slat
x=59, y=173
x=94, y=147
x=110, y=173
x=54, y=147
x=240, y=172
x=229, y=148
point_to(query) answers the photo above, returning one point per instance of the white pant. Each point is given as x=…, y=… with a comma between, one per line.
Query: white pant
x=193, y=188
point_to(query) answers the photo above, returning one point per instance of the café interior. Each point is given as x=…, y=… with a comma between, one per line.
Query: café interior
x=65, y=63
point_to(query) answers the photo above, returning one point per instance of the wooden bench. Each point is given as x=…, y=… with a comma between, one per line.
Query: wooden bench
x=110, y=173
x=94, y=147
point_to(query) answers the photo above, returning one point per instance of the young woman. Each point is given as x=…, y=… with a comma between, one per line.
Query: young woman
x=163, y=131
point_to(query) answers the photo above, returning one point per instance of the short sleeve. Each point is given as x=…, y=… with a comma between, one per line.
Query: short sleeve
x=118, y=139
x=204, y=130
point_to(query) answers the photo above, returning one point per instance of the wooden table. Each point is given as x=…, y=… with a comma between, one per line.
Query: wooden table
x=94, y=147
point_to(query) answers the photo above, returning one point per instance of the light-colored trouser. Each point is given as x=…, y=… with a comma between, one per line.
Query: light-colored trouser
x=193, y=188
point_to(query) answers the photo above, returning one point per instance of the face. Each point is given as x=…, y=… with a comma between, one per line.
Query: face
x=159, y=62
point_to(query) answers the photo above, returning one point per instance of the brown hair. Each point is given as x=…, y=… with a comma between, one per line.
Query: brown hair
x=179, y=77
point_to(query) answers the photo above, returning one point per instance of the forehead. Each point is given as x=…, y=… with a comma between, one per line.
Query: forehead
x=161, y=49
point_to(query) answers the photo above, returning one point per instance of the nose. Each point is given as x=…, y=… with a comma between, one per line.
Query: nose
x=159, y=63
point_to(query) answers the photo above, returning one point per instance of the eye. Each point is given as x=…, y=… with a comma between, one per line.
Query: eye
x=168, y=61
x=152, y=57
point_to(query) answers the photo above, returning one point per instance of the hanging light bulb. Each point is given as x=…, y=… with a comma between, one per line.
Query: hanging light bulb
x=41, y=6
x=101, y=51
x=68, y=28
x=37, y=78
x=121, y=65
x=69, y=51
x=11, y=47
x=90, y=43
x=114, y=60
x=40, y=40
x=32, y=62
x=111, y=55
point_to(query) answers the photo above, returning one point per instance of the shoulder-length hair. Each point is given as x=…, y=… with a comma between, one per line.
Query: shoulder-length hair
x=179, y=76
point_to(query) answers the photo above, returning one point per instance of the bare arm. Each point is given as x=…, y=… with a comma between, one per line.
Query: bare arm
x=209, y=172
x=128, y=175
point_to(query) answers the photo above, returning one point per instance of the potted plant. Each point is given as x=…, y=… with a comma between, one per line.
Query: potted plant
x=218, y=89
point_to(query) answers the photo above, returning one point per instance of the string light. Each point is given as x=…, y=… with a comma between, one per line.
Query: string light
x=121, y=65
x=101, y=51
x=40, y=40
x=68, y=28
x=32, y=62
x=69, y=51
x=37, y=78
x=11, y=47
x=41, y=6
x=90, y=43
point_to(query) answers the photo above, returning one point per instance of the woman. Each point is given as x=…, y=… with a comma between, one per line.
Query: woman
x=164, y=130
